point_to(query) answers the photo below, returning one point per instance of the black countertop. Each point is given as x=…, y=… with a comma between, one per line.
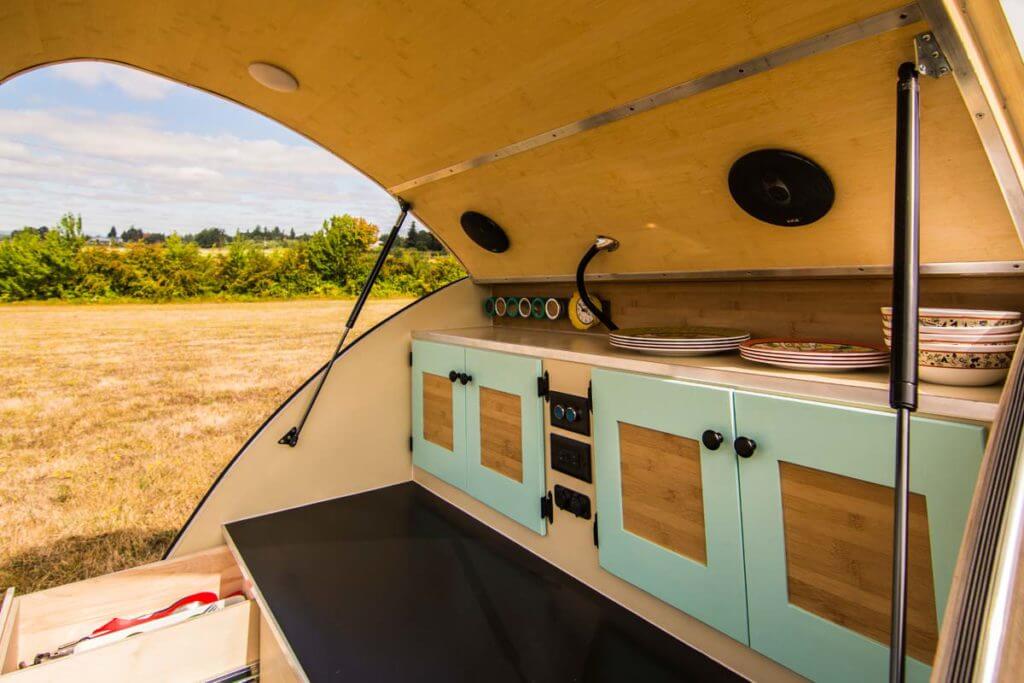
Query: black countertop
x=398, y=585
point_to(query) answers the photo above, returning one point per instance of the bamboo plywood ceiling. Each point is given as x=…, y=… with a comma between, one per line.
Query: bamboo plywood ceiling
x=401, y=89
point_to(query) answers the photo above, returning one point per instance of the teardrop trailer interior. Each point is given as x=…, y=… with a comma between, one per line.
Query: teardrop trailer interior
x=528, y=474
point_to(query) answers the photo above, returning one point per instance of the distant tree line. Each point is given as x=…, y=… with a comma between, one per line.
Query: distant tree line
x=61, y=263
x=211, y=238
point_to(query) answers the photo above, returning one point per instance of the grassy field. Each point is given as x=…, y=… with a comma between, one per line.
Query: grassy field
x=115, y=419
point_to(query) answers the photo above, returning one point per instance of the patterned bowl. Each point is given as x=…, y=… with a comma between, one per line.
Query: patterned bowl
x=973, y=347
x=964, y=335
x=962, y=377
x=988, y=360
x=960, y=317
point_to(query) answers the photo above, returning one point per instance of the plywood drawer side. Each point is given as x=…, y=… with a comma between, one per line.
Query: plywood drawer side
x=191, y=651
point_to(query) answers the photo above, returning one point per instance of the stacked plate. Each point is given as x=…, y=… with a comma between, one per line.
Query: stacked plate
x=817, y=355
x=678, y=341
x=962, y=347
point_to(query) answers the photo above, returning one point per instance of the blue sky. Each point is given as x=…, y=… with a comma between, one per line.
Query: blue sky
x=122, y=147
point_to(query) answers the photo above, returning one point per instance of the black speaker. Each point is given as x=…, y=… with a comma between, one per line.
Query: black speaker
x=780, y=187
x=485, y=232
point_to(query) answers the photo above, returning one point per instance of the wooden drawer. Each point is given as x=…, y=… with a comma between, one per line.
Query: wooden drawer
x=193, y=650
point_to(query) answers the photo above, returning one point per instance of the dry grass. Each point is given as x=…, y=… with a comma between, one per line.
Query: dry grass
x=115, y=419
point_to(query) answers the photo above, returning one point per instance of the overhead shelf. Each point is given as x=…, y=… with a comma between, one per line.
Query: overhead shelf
x=868, y=388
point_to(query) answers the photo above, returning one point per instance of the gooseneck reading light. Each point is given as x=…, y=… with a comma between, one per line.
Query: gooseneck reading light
x=601, y=243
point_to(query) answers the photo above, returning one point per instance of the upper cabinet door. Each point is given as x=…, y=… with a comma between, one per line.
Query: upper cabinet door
x=439, y=411
x=668, y=506
x=505, y=432
x=817, y=525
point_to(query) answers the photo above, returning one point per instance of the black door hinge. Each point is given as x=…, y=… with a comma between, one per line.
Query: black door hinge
x=596, y=541
x=590, y=396
x=410, y=443
x=410, y=359
x=547, y=508
x=544, y=386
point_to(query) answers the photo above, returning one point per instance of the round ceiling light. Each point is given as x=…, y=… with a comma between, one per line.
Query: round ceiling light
x=273, y=77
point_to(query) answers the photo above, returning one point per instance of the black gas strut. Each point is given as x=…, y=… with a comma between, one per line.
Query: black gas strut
x=292, y=437
x=903, y=377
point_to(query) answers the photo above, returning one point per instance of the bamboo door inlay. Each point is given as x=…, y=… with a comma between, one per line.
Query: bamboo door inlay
x=662, y=493
x=838, y=534
x=501, y=433
x=437, y=411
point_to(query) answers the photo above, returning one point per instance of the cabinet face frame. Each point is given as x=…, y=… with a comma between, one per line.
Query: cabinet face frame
x=515, y=375
x=439, y=360
x=713, y=592
x=856, y=443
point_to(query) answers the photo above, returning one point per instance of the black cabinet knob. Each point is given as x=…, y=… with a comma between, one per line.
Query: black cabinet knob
x=570, y=414
x=744, y=446
x=465, y=379
x=452, y=376
x=712, y=439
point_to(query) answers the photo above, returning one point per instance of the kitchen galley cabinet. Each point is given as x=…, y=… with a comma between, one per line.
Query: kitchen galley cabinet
x=817, y=503
x=478, y=423
x=668, y=494
x=439, y=411
x=505, y=435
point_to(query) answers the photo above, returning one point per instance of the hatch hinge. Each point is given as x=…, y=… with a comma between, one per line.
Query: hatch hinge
x=596, y=540
x=590, y=396
x=929, y=57
x=547, y=508
x=544, y=386
x=410, y=359
x=410, y=443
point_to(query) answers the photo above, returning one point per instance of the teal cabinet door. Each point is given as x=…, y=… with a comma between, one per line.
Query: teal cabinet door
x=505, y=433
x=439, y=411
x=817, y=526
x=668, y=506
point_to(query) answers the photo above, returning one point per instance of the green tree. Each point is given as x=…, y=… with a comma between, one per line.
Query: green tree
x=41, y=265
x=335, y=251
x=112, y=235
x=132, y=234
x=208, y=238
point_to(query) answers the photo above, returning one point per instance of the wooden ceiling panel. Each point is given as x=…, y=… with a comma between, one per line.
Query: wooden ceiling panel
x=657, y=181
x=403, y=88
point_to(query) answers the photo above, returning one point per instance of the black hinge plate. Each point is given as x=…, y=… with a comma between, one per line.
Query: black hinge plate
x=544, y=386
x=410, y=359
x=596, y=540
x=547, y=508
x=590, y=396
x=410, y=444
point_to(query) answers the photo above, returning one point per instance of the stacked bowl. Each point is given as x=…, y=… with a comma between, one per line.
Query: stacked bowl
x=962, y=347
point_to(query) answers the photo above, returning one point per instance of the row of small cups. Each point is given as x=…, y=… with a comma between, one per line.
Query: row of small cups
x=525, y=307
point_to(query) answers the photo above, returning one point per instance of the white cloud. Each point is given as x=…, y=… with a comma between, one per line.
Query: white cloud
x=118, y=169
x=138, y=85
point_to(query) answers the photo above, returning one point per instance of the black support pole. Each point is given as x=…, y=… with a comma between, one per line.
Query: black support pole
x=292, y=437
x=903, y=377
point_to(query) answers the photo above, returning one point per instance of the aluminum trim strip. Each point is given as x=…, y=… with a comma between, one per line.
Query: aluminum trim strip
x=964, y=269
x=985, y=122
x=998, y=629
x=872, y=26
